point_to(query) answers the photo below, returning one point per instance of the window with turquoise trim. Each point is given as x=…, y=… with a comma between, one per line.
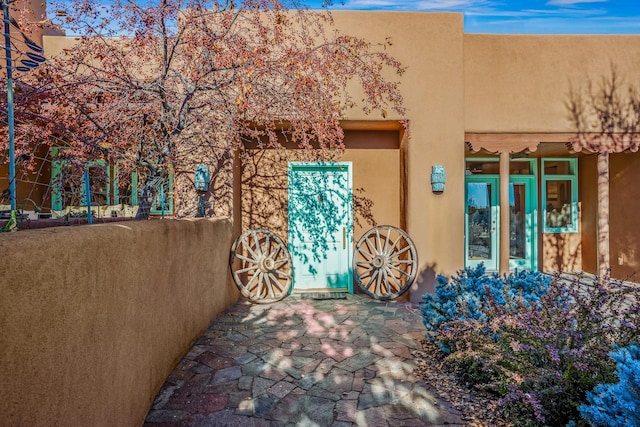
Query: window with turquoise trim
x=560, y=195
x=68, y=186
x=163, y=201
x=125, y=187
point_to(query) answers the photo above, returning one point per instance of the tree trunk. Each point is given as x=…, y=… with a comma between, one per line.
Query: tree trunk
x=146, y=200
x=603, y=215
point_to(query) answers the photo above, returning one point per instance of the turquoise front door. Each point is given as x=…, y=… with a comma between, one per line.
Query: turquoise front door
x=320, y=225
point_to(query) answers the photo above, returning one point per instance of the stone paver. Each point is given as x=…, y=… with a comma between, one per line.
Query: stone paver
x=302, y=362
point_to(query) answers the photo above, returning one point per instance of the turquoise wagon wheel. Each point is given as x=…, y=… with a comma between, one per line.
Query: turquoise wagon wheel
x=260, y=265
x=385, y=262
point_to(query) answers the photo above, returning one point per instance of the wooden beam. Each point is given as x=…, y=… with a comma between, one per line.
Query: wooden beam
x=477, y=137
x=611, y=142
x=513, y=142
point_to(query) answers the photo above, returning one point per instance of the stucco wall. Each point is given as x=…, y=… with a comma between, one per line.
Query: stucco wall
x=456, y=83
x=624, y=205
x=430, y=46
x=588, y=195
x=519, y=83
x=94, y=318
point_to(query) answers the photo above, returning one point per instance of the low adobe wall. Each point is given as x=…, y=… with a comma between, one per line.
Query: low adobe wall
x=94, y=318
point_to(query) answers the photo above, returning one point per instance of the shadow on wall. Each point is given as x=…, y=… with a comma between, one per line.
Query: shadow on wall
x=425, y=283
x=624, y=257
x=604, y=113
x=624, y=205
x=218, y=199
x=561, y=252
x=265, y=189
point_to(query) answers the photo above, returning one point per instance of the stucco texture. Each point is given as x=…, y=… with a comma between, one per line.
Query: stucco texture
x=457, y=83
x=94, y=318
x=430, y=46
x=520, y=83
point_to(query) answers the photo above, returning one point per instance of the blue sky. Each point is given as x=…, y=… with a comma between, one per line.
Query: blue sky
x=520, y=16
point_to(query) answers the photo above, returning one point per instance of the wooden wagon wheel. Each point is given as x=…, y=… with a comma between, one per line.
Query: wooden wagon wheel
x=385, y=262
x=261, y=266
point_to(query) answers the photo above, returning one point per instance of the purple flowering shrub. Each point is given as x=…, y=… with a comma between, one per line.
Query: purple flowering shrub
x=469, y=294
x=542, y=355
x=617, y=405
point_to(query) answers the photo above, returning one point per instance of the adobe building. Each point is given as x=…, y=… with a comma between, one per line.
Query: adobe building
x=491, y=110
x=488, y=118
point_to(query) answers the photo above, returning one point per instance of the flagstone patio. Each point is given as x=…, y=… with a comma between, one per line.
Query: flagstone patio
x=304, y=362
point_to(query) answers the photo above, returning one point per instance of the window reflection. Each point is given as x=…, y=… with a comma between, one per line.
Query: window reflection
x=559, y=207
x=479, y=220
x=517, y=235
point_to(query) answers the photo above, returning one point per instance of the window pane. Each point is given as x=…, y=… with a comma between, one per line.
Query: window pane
x=517, y=167
x=517, y=235
x=520, y=167
x=126, y=188
x=164, y=195
x=559, y=206
x=480, y=221
x=483, y=168
x=98, y=184
x=558, y=167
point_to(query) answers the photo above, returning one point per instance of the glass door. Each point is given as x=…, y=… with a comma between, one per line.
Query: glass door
x=522, y=223
x=481, y=221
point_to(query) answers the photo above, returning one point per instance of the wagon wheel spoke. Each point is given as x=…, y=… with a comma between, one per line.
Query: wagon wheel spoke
x=280, y=261
x=385, y=262
x=266, y=245
x=250, y=250
x=251, y=280
x=284, y=274
x=268, y=288
x=246, y=270
x=386, y=241
x=261, y=265
x=379, y=243
x=377, y=284
x=401, y=251
x=247, y=259
x=276, y=281
x=363, y=252
x=404, y=273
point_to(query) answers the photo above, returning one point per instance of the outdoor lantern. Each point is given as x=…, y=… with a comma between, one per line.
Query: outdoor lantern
x=202, y=178
x=438, y=178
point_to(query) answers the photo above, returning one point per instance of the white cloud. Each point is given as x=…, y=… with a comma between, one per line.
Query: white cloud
x=447, y=4
x=366, y=4
x=572, y=2
x=417, y=5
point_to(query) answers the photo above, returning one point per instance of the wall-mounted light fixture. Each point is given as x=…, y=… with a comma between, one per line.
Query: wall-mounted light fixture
x=438, y=178
x=202, y=178
x=201, y=182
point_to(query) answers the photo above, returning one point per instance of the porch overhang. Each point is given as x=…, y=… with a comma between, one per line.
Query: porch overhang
x=513, y=142
x=613, y=142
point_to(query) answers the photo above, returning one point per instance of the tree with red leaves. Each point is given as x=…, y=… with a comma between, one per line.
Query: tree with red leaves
x=153, y=84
